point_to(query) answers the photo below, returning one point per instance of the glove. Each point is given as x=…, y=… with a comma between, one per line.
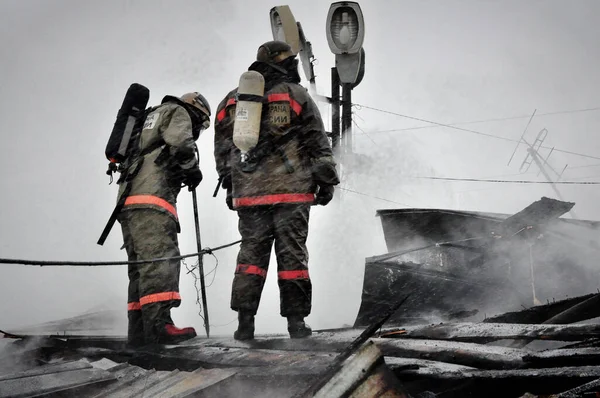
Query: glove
x=229, y=199
x=226, y=183
x=324, y=195
x=193, y=178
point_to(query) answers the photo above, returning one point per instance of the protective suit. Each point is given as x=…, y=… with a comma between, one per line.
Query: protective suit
x=149, y=219
x=272, y=188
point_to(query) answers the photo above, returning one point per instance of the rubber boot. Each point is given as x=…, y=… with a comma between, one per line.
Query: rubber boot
x=297, y=328
x=135, y=329
x=171, y=334
x=245, y=330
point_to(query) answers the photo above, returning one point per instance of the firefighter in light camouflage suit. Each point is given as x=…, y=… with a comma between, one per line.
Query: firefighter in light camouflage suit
x=149, y=219
x=273, y=189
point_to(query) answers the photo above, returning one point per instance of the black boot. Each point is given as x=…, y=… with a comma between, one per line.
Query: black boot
x=297, y=328
x=245, y=330
x=135, y=329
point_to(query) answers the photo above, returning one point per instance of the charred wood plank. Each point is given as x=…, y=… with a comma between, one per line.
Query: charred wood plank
x=400, y=364
x=587, y=309
x=486, y=332
x=467, y=354
x=540, y=313
x=563, y=357
x=537, y=213
x=350, y=349
x=590, y=343
x=364, y=375
x=577, y=391
x=575, y=372
x=52, y=382
x=582, y=311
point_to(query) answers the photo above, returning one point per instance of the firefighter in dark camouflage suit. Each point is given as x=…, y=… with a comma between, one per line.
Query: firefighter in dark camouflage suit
x=290, y=169
x=149, y=218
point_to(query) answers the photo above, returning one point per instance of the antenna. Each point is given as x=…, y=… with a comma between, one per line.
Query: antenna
x=522, y=136
x=533, y=156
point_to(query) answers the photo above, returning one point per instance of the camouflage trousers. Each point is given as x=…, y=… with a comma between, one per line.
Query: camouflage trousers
x=286, y=226
x=153, y=287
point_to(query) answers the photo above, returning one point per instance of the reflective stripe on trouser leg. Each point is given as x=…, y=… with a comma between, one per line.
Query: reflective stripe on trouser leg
x=255, y=227
x=291, y=232
x=154, y=235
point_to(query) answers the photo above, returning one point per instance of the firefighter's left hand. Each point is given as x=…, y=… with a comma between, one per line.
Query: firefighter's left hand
x=193, y=178
x=324, y=195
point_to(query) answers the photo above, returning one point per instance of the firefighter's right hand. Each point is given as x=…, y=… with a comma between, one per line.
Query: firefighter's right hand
x=324, y=195
x=193, y=178
x=226, y=182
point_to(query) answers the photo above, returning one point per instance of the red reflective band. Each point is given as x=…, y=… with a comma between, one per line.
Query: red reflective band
x=222, y=113
x=274, y=199
x=287, y=275
x=251, y=270
x=151, y=200
x=285, y=97
x=134, y=306
x=158, y=297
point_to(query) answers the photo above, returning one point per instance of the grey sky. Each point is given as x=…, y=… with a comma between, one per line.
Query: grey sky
x=66, y=64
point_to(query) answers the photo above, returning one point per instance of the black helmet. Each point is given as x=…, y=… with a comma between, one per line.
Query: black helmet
x=274, y=52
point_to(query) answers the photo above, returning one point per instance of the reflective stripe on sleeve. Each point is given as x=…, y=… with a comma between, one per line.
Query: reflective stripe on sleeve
x=223, y=112
x=134, y=306
x=158, y=297
x=151, y=200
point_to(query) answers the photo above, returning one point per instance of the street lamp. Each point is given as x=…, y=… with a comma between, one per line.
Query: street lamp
x=345, y=29
x=306, y=56
x=284, y=27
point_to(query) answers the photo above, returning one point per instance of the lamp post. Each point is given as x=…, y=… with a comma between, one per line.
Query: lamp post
x=345, y=29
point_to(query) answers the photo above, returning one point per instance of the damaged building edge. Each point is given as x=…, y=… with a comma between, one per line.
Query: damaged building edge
x=466, y=265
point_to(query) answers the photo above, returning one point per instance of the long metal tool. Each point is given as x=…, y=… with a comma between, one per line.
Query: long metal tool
x=200, y=264
x=200, y=255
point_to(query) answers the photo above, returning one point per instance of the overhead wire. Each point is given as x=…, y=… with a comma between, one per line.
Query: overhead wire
x=43, y=263
x=455, y=127
x=492, y=120
x=507, y=181
x=372, y=196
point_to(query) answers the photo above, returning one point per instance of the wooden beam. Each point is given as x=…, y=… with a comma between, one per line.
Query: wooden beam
x=486, y=332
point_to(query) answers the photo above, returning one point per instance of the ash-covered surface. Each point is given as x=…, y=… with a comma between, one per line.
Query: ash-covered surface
x=426, y=359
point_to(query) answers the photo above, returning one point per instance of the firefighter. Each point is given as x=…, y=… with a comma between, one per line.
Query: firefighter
x=272, y=187
x=149, y=222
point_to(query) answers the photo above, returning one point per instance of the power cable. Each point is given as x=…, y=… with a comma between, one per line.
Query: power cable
x=364, y=132
x=485, y=120
x=509, y=181
x=374, y=197
x=474, y=131
x=42, y=263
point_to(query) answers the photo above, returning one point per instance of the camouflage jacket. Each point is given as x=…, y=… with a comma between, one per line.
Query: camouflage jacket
x=167, y=154
x=293, y=152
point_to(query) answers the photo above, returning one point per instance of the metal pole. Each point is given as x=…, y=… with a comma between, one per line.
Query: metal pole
x=200, y=264
x=347, y=117
x=335, y=111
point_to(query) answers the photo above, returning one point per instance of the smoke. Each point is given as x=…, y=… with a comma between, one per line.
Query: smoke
x=64, y=74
